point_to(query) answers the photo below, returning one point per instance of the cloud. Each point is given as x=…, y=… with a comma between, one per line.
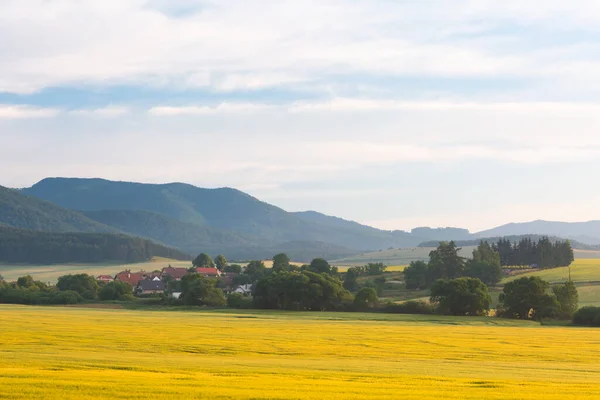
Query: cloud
x=230, y=46
x=106, y=112
x=26, y=112
x=225, y=107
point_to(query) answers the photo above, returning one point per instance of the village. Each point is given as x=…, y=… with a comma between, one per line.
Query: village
x=166, y=281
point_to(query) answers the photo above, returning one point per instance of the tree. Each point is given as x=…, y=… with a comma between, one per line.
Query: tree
x=234, y=268
x=567, y=298
x=527, y=297
x=461, y=296
x=416, y=275
x=320, y=266
x=203, y=261
x=375, y=268
x=25, y=281
x=445, y=263
x=197, y=290
x=303, y=290
x=365, y=298
x=351, y=279
x=281, y=262
x=255, y=270
x=116, y=290
x=237, y=300
x=488, y=273
x=84, y=284
x=221, y=262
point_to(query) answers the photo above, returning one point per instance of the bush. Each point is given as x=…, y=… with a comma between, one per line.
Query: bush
x=67, y=297
x=587, y=316
x=237, y=300
x=410, y=307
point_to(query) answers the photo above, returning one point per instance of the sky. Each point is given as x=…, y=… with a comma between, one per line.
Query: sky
x=397, y=114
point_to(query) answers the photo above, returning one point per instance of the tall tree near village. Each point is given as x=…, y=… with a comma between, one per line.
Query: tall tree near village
x=203, y=261
x=281, y=262
x=445, y=263
x=220, y=262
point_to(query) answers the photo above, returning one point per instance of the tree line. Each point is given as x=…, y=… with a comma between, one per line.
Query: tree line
x=35, y=247
x=542, y=253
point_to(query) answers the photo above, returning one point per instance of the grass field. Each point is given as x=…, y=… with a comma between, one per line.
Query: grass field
x=582, y=270
x=395, y=256
x=50, y=273
x=75, y=353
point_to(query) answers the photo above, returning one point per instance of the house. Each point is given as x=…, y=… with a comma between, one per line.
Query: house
x=245, y=290
x=227, y=278
x=175, y=273
x=133, y=278
x=150, y=286
x=105, y=278
x=209, y=272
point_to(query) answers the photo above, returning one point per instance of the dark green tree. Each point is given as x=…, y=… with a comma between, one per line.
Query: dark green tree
x=234, y=268
x=375, y=268
x=526, y=298
x=461, y=296
x=568, y=299
x=488, y=273
x=84, y=284
x=365, y=298
x=445, y=263
x=281, y=262
x=116, y=290
x=416, y=275
x=255, y=270
x=351, y=279
x=221, y=262
x=320, y=266
x=197, y=290
x=203, y=261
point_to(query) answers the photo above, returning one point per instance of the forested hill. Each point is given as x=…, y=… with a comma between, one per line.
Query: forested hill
x=35, y=247
x=20, y=211
x=226, y=209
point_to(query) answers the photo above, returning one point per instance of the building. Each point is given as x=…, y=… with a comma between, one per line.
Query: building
x=133, y=278
x=228, y=278
x=209, y=272
x=175, y=273
x=105, y=278
x=245, y=290
x=150, y=286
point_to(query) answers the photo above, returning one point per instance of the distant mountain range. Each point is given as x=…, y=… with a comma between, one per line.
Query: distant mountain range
x=224, y=220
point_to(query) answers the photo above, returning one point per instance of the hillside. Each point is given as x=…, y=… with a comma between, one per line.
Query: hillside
x=35, y=247
x=20, y=211
x=395, y=257
x=585, y=232
x=514, y=238
x=225, y=209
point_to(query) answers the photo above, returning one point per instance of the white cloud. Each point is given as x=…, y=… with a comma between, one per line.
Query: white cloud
x=235, y=45
x=106, y=112
x=26, y=112
x=225, y=107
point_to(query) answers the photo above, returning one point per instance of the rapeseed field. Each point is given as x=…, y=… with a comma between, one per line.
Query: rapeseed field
x=78, y=353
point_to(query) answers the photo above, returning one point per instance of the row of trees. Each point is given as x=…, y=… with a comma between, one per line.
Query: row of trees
x=446, y=263
x=524, y=298
x=543, y=253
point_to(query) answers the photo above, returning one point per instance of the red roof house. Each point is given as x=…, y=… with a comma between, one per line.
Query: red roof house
x=175, y=273
x=209, y=272
x=133, y=278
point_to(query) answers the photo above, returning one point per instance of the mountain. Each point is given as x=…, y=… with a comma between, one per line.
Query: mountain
x=19, y=211
x=225, y=209
x=441, y=233
x=585, y=232
x=187, y=236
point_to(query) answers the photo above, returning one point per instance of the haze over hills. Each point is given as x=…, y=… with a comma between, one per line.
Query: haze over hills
x=225, y=220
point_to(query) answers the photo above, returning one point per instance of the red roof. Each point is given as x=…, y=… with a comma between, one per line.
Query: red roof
x=175, y=273
x=133, y=278
x=208, y=271
x=105, y=278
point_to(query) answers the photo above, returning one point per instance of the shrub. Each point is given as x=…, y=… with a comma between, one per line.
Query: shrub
x=67, y=297
x=237, y=300
x=410, y=307
x=587, y=316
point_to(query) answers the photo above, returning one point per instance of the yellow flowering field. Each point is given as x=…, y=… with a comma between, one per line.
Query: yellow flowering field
x=79, y=353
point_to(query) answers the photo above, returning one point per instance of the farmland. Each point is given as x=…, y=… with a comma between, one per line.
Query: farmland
x=76, y=353
x=395, y=256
